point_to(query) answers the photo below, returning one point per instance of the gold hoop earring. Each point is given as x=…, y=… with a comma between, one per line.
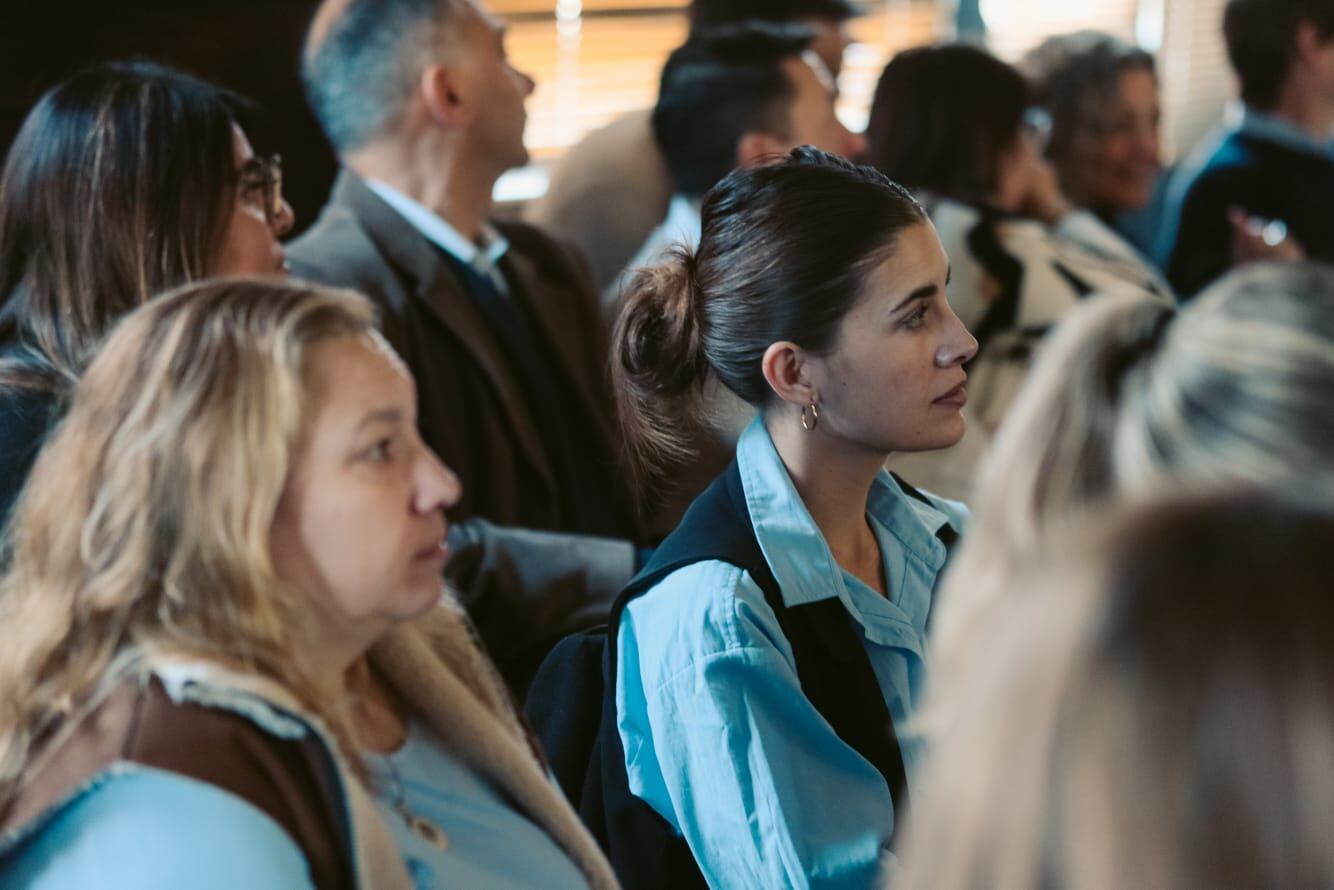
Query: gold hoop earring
x=814, y=420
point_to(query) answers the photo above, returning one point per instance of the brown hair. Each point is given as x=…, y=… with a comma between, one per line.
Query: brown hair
x=117, y=187
x=944, y=117
x=783, y=255
x=1261, y=40
x=1155, y=708
x=144, y=527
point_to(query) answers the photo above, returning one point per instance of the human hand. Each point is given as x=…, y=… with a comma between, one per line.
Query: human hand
x=1255, y=238
x=1043, y=198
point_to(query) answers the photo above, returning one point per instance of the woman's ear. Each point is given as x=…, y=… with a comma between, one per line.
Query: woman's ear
x=788, y=369
x=756, y=148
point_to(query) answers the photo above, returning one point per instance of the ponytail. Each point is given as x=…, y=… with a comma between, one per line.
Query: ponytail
x=658, y=368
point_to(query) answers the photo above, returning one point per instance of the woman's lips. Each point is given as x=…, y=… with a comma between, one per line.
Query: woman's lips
x=956, y=397
x=437, y=550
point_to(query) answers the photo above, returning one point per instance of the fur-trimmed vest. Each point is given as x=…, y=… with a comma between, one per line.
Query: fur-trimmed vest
x=249, y=736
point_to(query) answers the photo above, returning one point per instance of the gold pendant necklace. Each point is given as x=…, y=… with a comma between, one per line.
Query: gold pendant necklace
x=421, y=826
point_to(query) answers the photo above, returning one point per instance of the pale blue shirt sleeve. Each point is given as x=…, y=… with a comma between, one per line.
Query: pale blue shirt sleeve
x=720, y=740
x=154, y=830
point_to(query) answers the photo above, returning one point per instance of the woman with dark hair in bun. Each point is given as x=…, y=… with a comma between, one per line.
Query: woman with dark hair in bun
x=765, y=657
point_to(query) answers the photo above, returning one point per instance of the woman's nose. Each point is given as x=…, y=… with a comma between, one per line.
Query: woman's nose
x=283, y=222
x=960, y=345
x=439, y=487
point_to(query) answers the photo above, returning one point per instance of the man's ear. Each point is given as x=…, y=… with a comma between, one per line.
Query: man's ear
x=444, y=95
x=756, y=148
x=787, y=369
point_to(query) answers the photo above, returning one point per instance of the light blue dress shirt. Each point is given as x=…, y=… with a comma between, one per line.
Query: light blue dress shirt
x=149, y=829
x=1271, y=128
x=490, y=844
x=719, y=738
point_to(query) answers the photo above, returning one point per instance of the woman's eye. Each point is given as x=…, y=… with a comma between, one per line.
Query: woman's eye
x=915, y=320
x=381, y=451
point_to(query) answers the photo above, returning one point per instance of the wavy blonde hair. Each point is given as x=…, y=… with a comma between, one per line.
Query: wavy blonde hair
x=144, y=527
x=1130, y=396
x=1156, y=711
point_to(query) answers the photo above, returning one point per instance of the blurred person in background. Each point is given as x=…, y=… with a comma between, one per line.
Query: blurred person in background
x=1264, y=186
x=735, y=97
x=1103, y=97
x=1153, y=707
x=498, y=322
x=957, y=126
x=608, y=192
x=230, y=660
x=1131, y=396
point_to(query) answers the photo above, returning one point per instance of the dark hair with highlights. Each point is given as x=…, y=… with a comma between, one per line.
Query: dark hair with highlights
x=118, y=185
x=784, y=254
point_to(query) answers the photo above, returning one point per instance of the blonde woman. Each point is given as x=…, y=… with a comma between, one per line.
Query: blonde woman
x=227, y=658
x=1131, y=397
x=1157, y=711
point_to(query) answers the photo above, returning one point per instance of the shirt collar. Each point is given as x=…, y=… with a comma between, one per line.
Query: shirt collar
x=482, y=255
x=1272, y=128
x=683, y=220
x=793, y=546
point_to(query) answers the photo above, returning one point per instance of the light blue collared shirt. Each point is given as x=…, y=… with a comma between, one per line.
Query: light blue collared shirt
x=148, y=828
x=483, y=255
x=719, y=738
x=489, y=843
x=681, y=226
x=1271, y=128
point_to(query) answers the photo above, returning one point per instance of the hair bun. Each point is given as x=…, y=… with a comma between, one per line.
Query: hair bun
x=659, y=364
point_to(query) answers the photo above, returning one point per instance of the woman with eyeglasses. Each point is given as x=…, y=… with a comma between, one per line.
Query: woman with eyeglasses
x=125, y=180
x=956, y=125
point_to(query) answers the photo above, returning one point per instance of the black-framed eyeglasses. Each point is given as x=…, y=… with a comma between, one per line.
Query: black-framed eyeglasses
x=263, y=176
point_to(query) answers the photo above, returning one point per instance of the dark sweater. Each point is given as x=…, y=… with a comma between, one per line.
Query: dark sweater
x=1261, y=177
x=26, y=415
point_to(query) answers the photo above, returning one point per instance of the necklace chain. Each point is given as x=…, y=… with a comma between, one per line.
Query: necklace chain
x=424, y=828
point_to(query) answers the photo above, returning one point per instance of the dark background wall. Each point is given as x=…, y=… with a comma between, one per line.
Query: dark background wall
x=250, y=46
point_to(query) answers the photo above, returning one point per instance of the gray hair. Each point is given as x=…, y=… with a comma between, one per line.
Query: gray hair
x=1076, y=78
x=362, y=59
